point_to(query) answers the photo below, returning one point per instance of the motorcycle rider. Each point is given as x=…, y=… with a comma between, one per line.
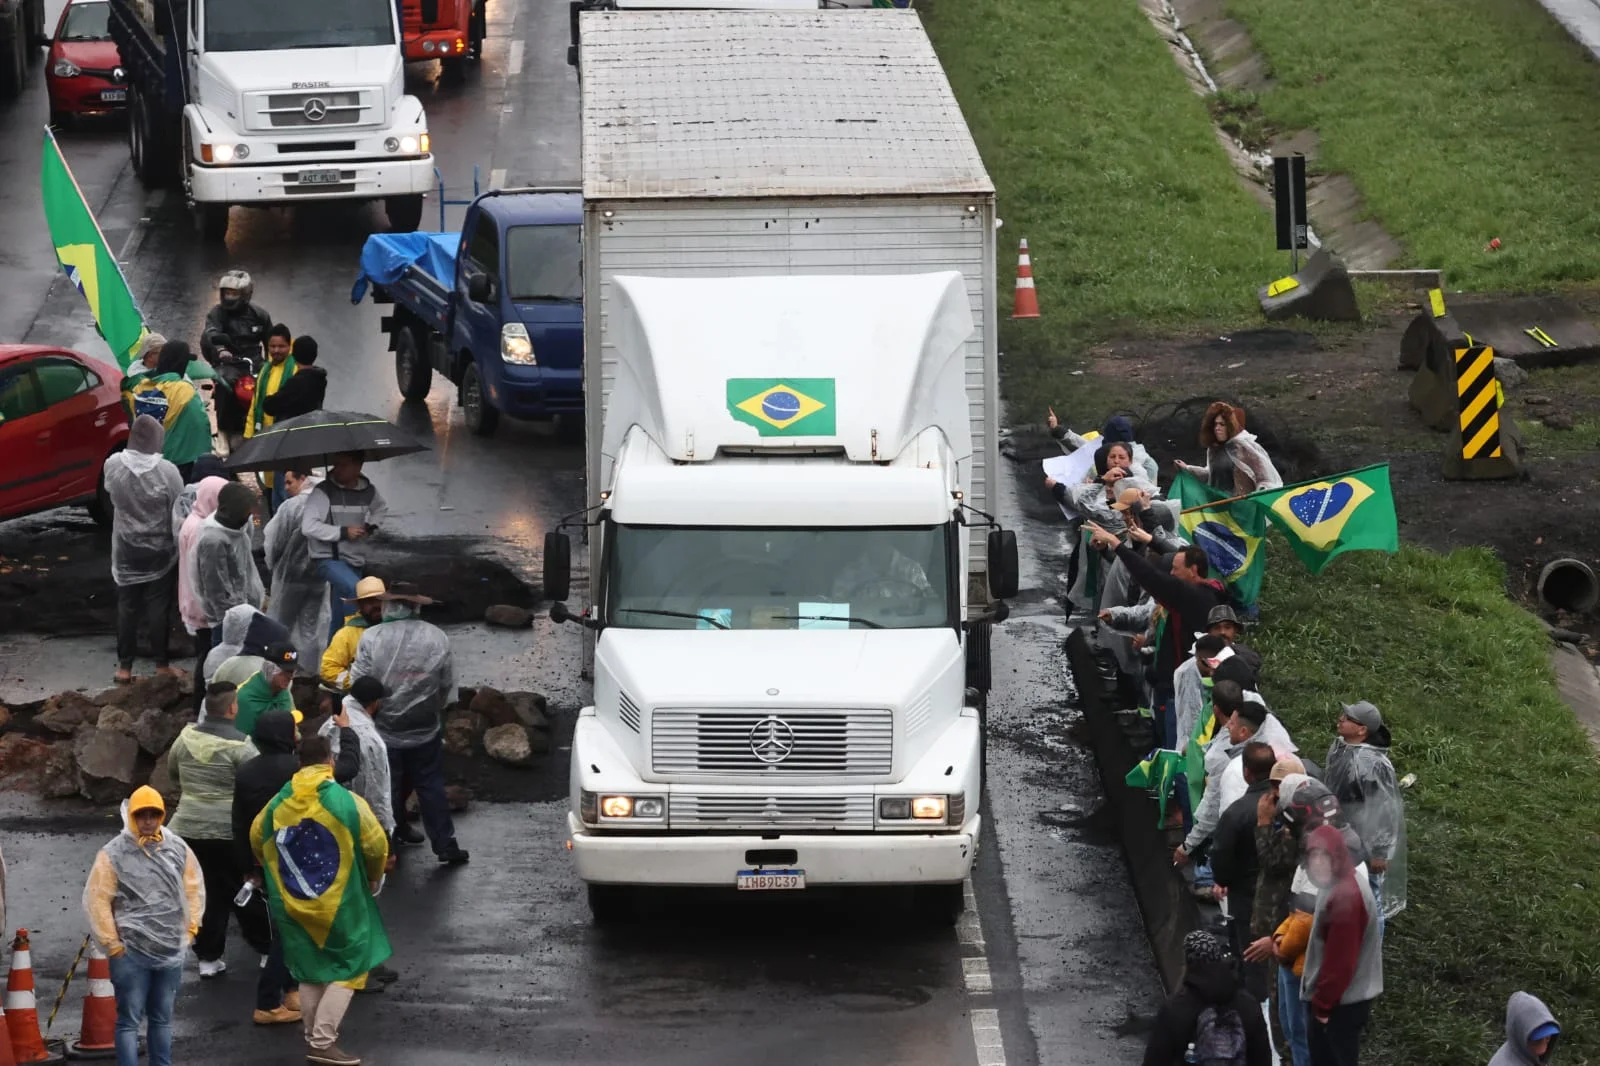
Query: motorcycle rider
x=232, y=342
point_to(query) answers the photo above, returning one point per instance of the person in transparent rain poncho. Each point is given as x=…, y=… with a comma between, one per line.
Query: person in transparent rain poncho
x=144, y=900
x=225, y=572
x=242, y=643
x=357, y=716
x=412, y=660
x=299, y=592
x=1360, y=774
x=143, y=487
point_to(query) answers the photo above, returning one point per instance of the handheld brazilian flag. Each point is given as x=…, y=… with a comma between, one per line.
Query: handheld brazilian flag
x=82, y=252
x=1194, y=753
x=1230, y=532
x=1156, y=773
x=1347, y=512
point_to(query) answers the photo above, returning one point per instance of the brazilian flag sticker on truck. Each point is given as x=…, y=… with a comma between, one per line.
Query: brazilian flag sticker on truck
x=783, y=407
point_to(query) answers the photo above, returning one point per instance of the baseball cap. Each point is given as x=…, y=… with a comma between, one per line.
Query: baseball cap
x=1221, y=613
x=1126, y=499
x=1545, y=1031
x=370, y=588
x=281, y=653
x=1286, y=765
x=1364, y=713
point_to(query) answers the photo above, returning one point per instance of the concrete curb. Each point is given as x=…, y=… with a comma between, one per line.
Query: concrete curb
x=1168, y=910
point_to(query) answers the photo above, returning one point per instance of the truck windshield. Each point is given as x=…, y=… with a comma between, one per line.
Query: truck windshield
x=253, y=26
x=542, y=263
x=678, y=577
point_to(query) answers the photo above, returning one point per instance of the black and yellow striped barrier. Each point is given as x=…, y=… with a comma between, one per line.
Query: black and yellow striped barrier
x=1485, y=444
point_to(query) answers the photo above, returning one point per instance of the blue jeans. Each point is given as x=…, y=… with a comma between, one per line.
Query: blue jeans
x=423, y=767
x=1376, y=881
x=341, y=578
x=1292, y=1016
x=145, y=991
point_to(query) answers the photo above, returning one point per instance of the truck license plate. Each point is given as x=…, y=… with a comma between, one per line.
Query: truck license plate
x=113, y=96
x=771, y=880
x=319, y=177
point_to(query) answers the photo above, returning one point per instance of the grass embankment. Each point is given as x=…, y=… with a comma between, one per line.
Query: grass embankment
x=1458, y=120
x=1504, y=821
x=1106, y=161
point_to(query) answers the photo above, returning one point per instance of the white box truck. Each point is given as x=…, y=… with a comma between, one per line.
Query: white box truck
x=791, y=403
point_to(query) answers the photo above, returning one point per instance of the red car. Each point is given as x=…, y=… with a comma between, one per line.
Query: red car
x=61, y=415
x=84, y=70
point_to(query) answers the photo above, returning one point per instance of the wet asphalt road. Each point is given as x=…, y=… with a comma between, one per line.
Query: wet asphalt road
x=499, y=962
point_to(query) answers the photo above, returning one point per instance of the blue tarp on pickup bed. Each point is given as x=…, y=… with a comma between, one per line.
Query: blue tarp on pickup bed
x=386, y=257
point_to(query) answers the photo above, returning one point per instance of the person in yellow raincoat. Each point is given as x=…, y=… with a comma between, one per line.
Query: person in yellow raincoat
x=324, y=855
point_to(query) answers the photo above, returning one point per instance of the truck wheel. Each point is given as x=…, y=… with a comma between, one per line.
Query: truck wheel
x=481, y=418
x=940, y=906
x=146, y=145
x=211, y=222
x=405, y=213
x=611, y=904
x=412, y=373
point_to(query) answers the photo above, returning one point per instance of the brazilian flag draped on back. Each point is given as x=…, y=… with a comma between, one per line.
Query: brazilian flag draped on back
x=1346, y=512
x=1230, y=533
x=320, y=845
x=82, y=252
x=1194, y=753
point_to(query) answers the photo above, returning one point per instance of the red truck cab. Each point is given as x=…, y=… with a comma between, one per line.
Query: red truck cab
x=450, y=31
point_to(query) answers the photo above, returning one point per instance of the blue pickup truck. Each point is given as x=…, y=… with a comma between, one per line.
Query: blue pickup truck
x=497, y=308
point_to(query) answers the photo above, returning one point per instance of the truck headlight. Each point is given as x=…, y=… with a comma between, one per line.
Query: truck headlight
x=391, y=144
x=223, y=153
x=917, y=808
x=408, y=144
x=645, y=808
x=65, y=68
x=516, y=346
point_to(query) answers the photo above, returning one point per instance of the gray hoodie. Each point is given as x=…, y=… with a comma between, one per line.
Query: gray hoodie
x=1524, y=1014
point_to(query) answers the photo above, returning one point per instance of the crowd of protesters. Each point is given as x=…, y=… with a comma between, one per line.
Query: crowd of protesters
x=377, y=678
x=1305, y=863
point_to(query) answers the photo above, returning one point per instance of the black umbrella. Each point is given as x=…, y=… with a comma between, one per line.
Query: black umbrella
x=321, y=434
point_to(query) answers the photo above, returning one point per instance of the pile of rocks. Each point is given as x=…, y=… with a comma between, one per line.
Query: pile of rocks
x=102, y=747
x=510, y=727
x=98, y=747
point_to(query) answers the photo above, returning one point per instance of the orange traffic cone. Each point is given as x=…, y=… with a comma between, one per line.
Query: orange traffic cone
x=1027, y=299
x=6, y=1058
x=22, y=1011
x=97, y=1038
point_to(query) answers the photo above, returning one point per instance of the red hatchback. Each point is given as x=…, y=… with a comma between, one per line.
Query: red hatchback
x=84, y=70
x=61, y=415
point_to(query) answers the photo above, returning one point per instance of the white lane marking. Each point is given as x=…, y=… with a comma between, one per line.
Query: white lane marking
x=987, y=1041
x=986, y=1038
x=514, y=63
x=497, y=178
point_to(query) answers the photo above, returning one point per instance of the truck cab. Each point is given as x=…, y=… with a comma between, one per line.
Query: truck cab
x=781, y=614
x=246, y=103
x=451, y=31
x=496, y=309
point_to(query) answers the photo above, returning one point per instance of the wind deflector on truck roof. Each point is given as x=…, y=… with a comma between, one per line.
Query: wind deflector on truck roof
x=386, y=257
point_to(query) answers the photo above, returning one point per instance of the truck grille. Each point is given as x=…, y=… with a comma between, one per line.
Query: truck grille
x=782, y=810
x=315, y=109
x=855, y=742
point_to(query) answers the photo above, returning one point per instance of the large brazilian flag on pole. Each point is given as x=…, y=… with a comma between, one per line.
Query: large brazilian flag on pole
x=81, y=249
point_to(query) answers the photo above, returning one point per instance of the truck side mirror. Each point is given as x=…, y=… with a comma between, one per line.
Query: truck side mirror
x=557, y=565
x=479, y=288
x=1003, y=565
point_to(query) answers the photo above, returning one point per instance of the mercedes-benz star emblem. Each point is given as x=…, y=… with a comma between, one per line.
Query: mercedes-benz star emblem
x=117, y=75
x=771, y=740
x=316, y=109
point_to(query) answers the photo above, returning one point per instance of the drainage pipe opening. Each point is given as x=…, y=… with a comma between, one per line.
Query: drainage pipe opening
x=1568, y=585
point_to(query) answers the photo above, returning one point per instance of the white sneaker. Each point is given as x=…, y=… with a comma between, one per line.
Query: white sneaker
x=215, y=968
